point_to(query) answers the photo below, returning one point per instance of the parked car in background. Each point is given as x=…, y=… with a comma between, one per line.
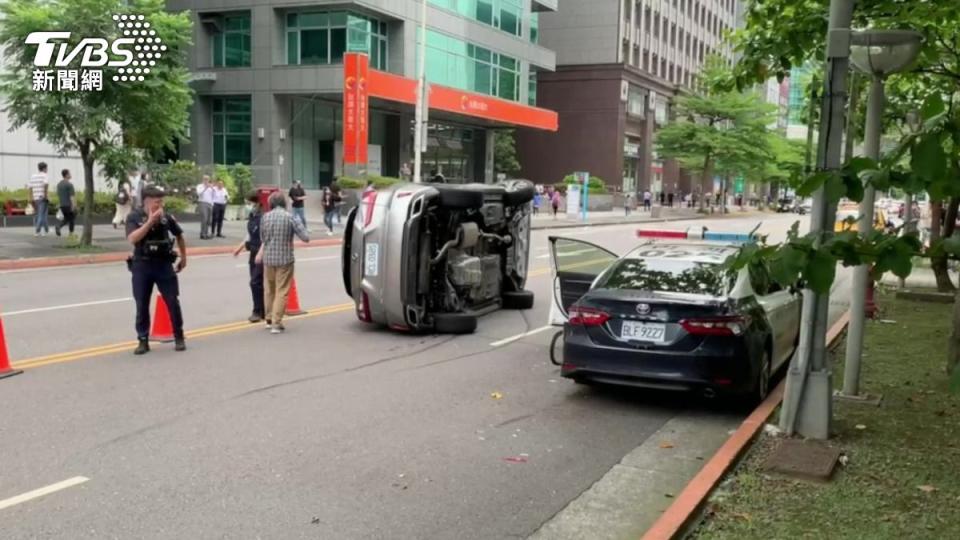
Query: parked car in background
x=434, y=257
x=668, y=316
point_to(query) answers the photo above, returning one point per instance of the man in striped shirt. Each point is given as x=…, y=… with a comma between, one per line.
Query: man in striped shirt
x=277, y=230
x=38, y=187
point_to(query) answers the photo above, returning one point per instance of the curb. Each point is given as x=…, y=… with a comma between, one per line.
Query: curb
x=562, y=225
x=680, y=514
x=100, y=258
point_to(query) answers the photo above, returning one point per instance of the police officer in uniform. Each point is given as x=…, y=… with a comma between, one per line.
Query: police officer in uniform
x=154, y=262
x=252, y=244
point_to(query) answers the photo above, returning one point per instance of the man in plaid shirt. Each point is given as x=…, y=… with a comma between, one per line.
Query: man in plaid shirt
x=276, y=254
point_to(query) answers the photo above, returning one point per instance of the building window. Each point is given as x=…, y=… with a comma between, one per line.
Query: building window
x=503, y=14
x=232, y=121
x=635, y=99
x=532, y=88
x=231, y=46
x=324, y=37
x=456, y=63
x=646, y=60
x=534, y=28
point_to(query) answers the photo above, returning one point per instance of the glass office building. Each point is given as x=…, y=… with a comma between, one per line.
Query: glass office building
x=269, y=83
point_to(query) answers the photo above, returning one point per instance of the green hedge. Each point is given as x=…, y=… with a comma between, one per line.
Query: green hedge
x=102, y=202
x=379, y=182
x=595, y=185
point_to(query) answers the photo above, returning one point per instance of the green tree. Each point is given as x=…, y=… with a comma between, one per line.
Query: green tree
x=505, y=153
x=109, y=127
x=722, y=132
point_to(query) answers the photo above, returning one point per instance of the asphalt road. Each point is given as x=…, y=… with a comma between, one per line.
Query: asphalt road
x=333, y=430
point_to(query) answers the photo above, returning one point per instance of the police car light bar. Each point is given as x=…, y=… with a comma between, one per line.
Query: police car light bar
x=699, y=233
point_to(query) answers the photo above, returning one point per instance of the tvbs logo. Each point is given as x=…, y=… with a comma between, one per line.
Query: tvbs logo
x=133, y=54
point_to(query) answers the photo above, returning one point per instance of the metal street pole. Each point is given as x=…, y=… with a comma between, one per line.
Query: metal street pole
x=421, y=95
x=861, y=274
x=807, y=406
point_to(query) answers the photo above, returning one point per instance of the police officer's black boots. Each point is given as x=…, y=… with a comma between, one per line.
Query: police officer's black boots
x=142, y=348
x=180, y=344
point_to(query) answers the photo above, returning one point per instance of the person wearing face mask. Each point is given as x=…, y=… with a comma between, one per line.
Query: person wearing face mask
x=252, y=244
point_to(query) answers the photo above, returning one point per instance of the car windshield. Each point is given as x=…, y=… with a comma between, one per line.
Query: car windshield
x=667, y=275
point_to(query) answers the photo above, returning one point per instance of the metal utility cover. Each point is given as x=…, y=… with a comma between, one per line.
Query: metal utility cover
x=807, y=460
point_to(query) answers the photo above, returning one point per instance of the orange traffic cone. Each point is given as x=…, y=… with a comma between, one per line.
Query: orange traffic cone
x=5, y=369
x=162, y=330
x=293, y=300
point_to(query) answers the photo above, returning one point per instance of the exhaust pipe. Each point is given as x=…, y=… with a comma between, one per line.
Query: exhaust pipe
x=709, y=393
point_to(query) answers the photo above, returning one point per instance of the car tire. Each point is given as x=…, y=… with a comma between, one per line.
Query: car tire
x=761, y=387
x=518, y=194
x=454, y=323
x=518, y=300
x=556, y=349
x=460, y=199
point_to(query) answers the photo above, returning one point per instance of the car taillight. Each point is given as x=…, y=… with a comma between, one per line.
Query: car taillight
x=716, y=326
x=369, y=203
x=584, y=316
x=363, y=310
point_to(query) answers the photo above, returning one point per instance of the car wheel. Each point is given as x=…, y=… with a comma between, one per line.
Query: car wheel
x=520, y=193
x=556, y=349
x=454, y=323
x=762, y=386
x=518, y=300
x=460, y=199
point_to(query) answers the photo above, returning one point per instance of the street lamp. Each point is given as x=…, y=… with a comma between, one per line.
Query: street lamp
x=421, y=96
x=877, y=53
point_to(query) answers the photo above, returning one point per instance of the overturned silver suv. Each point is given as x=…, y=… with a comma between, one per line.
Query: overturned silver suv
x=435, y=257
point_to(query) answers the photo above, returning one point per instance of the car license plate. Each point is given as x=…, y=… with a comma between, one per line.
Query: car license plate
x=372, y=264
x=640, y=331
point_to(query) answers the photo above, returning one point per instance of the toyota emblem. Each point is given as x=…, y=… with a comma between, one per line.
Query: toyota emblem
x=643, y=309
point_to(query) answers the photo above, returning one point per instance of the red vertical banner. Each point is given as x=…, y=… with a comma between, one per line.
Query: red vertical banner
x=351, y=86
x=363, y=108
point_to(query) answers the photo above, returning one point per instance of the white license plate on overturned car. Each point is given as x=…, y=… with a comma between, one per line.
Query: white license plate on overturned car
x=643, y=331
x=372, y=259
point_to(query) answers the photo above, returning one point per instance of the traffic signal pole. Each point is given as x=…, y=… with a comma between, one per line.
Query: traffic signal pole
x=807, y=404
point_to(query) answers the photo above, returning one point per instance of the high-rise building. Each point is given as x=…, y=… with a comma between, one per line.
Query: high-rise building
x=620, y=63
x=269, y=81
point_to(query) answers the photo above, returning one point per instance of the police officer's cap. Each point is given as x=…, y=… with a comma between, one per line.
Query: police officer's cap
x=153, y=190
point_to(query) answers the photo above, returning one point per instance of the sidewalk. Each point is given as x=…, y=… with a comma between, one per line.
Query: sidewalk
x=544, y=220
x=19, y=248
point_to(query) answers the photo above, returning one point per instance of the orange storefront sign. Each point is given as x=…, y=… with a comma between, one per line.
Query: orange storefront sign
x=396, y=88
x=355, y=108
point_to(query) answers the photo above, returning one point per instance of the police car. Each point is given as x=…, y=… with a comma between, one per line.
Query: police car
x=668, y=316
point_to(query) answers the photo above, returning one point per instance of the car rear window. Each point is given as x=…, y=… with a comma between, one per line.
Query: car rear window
x=671, y=275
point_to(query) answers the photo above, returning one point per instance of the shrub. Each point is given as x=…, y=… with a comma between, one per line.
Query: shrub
x=243, y=183
x=175, y=204
x=379, y=182
x=179, y=177
x=595, y=185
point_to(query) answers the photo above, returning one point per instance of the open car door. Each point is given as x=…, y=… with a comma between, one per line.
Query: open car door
x=575, y=264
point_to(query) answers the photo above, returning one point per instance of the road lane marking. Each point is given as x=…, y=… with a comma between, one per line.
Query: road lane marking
x=104, y=350
x=47, y=490
x=518, y=337
x=65, y=306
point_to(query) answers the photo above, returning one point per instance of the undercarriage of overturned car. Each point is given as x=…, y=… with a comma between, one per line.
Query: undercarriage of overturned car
x=436, y=257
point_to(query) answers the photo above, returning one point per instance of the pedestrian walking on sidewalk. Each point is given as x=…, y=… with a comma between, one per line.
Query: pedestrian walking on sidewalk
x=670, y=199
x=220, y=198
x=555, y=201
x=38, y=188
x=152, y=232
x=277, y=230
x=298, y=196
x=338, y=199
x=627, y=203
x=66, y=194
x=123, y=201
x=205, y=206
x=252, y=244
x=537, y=200
x=329, y=199
x=647, y=199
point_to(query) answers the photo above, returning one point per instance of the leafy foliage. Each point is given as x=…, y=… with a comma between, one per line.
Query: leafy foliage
x=111, y=127
x=595, y=186
x=505, y=153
